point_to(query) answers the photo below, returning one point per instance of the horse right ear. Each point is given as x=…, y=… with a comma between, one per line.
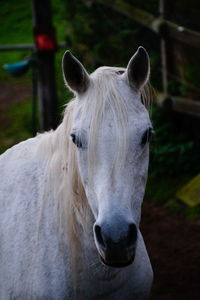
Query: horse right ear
x=75, y=75
x=138, y=69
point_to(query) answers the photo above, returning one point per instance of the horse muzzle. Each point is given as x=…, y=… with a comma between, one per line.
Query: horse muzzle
x=116, y=250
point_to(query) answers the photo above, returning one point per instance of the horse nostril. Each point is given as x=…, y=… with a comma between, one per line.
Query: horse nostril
x=116, y=239
x=98, y=234
x=132, y=235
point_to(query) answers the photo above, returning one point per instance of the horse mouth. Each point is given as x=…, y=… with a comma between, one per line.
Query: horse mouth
x=117, y=262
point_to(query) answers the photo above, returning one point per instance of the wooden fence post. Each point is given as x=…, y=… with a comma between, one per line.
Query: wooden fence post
x=45, y=53
x=164, y=10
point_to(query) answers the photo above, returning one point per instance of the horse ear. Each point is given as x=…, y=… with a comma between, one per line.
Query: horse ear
x=75, y=75
x=138, y=69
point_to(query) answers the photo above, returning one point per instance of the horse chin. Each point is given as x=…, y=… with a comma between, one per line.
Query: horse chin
x=117, y=263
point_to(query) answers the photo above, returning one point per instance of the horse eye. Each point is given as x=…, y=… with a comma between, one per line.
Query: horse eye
x=147, y=136
x=76, y=140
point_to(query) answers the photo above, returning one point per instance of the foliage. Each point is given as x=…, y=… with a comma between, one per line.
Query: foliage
x=172, y=146
x=151, y=6
x=174, y=159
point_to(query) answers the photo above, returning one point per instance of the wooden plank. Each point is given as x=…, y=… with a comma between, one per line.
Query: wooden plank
x=164, y=11
x=186, y=106
x=158, y=25
x=17, y=47
x=20, y=47
x=179, y=104
x=181, y=34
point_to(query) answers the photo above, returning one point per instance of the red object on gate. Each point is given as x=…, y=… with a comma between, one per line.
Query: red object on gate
x=45, y=42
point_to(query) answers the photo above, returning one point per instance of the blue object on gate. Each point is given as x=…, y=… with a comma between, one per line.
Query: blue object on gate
x=18, y=68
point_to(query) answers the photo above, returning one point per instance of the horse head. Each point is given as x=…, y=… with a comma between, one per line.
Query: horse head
x=110, y=131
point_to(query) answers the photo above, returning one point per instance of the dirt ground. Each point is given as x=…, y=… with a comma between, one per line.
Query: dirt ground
x=11, y=94
x=173, y=244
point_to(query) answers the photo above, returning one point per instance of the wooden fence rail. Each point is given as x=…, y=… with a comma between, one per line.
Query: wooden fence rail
x=17, y=47
x=25, y=47
x=158, y=25
x=167, y=30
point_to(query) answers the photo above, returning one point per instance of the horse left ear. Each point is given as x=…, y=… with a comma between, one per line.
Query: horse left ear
x=75, y=75
x=138, y=69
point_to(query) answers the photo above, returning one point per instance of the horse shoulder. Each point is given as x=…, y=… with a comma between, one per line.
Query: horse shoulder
x=20, y=171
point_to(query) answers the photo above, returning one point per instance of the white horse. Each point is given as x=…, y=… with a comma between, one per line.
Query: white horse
x=70, y=208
